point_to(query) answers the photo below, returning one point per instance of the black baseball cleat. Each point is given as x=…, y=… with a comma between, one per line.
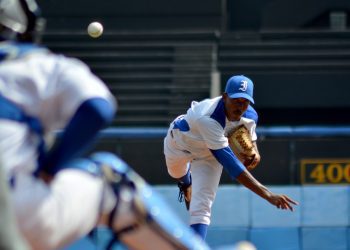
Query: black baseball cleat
x=185, y=193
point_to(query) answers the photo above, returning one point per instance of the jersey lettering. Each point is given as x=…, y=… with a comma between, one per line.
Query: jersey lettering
x=244, y=85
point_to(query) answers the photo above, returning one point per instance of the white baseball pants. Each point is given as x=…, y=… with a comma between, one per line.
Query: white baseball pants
x=205, y=172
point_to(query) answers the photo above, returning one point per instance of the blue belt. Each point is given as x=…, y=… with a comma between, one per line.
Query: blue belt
x=181, y=124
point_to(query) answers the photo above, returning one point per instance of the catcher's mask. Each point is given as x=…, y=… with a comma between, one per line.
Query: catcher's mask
x=20, y=20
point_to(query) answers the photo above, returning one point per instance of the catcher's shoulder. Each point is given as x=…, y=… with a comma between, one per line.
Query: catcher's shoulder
x=251, y=114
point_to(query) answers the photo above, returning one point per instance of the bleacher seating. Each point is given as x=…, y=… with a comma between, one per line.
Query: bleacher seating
x=284, y=52
x=154, y=75
x=294, y=73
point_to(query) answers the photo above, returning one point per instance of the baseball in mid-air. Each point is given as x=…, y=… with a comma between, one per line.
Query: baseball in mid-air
x=95, y=29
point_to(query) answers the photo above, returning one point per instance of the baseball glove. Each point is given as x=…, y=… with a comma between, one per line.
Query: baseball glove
x=242, y=145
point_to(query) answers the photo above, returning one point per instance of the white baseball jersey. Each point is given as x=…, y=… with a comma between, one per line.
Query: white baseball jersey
x=207, y=132
x=48, y=87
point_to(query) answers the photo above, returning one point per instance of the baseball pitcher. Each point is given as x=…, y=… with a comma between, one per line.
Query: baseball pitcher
x=197, y=148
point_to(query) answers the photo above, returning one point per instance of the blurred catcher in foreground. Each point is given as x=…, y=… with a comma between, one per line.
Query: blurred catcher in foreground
x=57, y=198
x=10, y=238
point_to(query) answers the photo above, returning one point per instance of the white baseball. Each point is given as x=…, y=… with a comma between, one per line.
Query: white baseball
x=95, y=29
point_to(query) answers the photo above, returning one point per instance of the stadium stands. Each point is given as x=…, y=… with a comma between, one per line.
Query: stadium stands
x=154, y=75
x=294, y=72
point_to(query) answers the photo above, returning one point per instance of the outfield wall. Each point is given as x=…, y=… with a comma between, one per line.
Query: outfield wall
x=290, y=155
x=320, y=222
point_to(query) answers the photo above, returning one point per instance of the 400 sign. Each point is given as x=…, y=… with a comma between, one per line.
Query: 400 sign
x=325, y=171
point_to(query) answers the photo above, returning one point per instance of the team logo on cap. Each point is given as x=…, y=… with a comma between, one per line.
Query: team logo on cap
x=244, y=85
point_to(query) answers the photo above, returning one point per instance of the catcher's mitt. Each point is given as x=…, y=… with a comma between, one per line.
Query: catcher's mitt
x=242, y=145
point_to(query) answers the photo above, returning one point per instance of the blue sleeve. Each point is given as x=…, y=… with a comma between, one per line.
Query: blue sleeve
x=80, y=133
x=251, y=114
x=229, y=161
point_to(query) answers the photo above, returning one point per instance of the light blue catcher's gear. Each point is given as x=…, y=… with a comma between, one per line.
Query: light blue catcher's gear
x=141, y=219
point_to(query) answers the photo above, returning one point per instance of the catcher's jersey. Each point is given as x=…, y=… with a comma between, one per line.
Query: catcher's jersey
x=46, y=86
x=207, y=127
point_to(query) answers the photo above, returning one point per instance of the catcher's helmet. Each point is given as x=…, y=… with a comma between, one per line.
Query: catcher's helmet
x=20, y=20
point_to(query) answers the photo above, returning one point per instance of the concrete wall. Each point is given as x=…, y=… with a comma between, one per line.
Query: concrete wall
x=320, y=222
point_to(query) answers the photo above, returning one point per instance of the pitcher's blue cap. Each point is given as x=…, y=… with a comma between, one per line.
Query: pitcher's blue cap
x=240, y=87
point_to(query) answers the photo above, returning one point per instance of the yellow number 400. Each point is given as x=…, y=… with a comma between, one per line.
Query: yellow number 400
x=331, y=173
